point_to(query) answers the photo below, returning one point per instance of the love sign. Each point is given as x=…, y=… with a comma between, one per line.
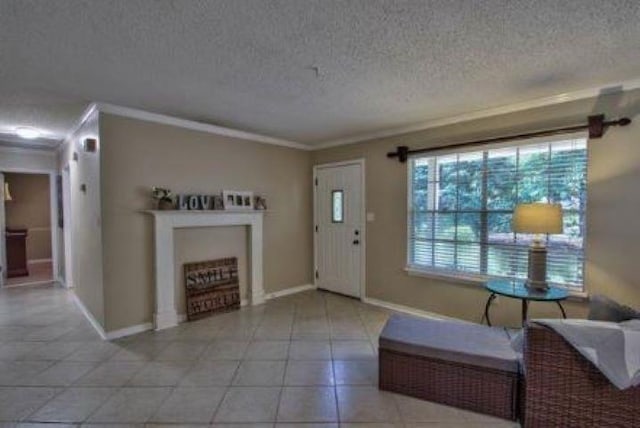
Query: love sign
x=200, y=202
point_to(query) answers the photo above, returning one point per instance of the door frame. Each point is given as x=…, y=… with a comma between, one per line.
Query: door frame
x=53, y=214
x=67, y=231
x=363, y=212
x=3, y=242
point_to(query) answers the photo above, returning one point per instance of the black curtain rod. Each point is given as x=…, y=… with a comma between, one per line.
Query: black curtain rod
x=596, y=126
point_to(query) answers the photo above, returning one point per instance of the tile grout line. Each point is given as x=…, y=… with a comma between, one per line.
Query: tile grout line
x=224, y=395
x=26, y=418
x=94, y=411
x=255, y=329
x=335, y=383
x=228, y=387
x=393, y=396
x=61, y=389
x=286, y=365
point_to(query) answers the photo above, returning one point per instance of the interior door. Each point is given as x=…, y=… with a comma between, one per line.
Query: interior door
x=339, y=228
x=3, y=242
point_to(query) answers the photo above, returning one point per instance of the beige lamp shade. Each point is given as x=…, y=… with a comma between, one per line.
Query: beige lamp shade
x=537, y=218
x=7, y=195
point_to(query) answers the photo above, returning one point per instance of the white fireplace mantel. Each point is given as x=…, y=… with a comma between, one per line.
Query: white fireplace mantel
x=165, y=222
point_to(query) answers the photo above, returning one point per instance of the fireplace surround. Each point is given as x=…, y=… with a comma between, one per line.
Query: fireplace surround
x=165, y=222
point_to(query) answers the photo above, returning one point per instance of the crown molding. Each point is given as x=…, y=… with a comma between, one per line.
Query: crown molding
x=623, y=86
x=86, y=114
x=28, y=150
x=626, y=85
x=196, y=126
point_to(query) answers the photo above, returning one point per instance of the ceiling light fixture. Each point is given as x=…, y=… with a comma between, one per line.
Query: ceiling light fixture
x=27, y=132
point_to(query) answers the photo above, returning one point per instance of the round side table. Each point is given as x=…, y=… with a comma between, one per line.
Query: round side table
x=516, y=289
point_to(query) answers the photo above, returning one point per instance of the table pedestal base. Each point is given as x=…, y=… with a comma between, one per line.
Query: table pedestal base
x=525, y=309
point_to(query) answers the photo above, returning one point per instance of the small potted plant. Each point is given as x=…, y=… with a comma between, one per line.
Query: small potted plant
x=163, y=198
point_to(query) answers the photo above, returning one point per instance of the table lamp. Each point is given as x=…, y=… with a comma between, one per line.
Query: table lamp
x=537, y=219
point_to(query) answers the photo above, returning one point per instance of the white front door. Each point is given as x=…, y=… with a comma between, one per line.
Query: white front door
x=339, y=223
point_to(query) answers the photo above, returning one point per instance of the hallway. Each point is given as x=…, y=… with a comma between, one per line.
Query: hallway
x=39, y=274
x=305, y=358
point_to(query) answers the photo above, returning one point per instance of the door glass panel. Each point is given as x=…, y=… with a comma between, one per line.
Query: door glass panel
x=337, y=206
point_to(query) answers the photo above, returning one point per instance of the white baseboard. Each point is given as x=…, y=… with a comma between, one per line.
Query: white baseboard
x=96, y=325
x=135, y=329
x=128, y=331
x=111, y=335
x=404, y=309
x=60, y=280
x=289, y=291
x=182, y=317
x=28, y=284
x=36, y=261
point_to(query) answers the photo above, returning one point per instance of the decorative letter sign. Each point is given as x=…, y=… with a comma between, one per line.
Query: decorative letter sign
x=211, y=286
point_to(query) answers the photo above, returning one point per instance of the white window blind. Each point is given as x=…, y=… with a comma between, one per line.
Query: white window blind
x=461, y=205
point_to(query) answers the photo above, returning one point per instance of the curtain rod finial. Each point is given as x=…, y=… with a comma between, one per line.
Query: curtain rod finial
x=596, y=125
x=402, y=153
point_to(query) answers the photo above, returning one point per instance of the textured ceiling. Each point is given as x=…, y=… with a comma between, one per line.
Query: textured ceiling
x=304, y=70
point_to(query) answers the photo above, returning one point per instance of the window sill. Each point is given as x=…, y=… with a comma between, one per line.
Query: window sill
x=456, y=278
x=474, y=280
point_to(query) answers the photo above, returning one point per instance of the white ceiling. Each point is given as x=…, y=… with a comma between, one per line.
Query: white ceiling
x=309, y=71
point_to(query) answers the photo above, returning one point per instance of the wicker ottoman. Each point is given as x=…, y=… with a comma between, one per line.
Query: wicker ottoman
x=460, y=364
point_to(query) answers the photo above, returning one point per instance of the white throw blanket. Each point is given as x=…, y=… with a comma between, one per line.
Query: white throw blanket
x=614, y=348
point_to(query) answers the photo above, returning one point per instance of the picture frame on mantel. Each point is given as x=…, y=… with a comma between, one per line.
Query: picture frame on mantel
x=237, y=200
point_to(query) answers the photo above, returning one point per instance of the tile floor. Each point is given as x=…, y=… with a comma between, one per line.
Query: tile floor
x=39, y=272
x=304, y=360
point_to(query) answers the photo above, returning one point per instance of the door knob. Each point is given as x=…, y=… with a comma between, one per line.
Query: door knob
x=356, y=242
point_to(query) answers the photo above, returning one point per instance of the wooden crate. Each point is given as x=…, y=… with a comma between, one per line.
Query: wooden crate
x=211, y=286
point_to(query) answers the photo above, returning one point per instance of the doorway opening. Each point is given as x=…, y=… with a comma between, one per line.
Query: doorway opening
x=26, y=229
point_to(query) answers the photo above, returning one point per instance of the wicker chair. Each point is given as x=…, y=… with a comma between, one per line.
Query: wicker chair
x=563, y=389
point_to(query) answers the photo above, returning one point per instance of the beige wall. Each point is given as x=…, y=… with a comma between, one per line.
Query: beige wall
x=85, y=218
x=137, y=155
x=30, y=209
x=613, y=223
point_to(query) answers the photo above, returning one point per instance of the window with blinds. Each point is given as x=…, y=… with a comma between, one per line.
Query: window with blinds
x=461, y=205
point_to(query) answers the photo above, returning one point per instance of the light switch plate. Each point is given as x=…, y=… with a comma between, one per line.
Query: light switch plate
x=371, y=217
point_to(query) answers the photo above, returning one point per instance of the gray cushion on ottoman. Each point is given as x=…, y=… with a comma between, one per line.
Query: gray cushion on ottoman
x=455, y=341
